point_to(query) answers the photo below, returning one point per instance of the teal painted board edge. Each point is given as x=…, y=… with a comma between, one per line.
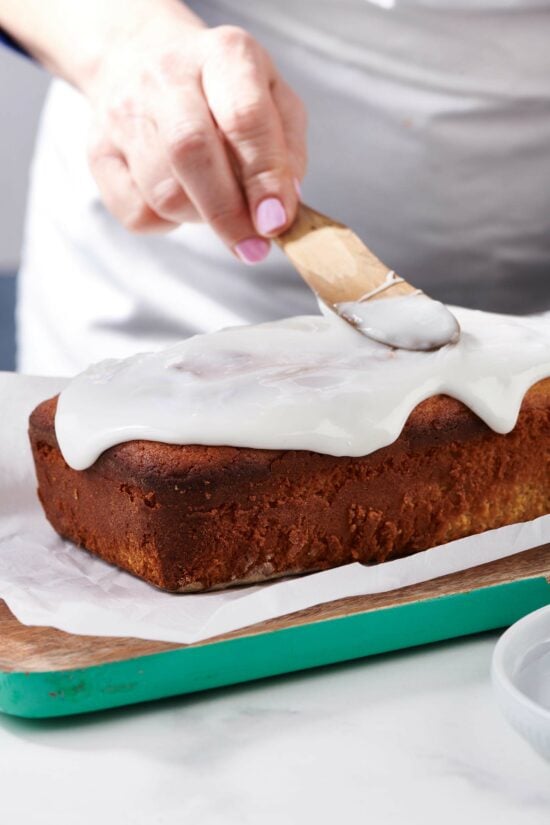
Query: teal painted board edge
x=243, y=659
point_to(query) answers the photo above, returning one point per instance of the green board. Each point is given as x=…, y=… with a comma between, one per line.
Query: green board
x=49, y=693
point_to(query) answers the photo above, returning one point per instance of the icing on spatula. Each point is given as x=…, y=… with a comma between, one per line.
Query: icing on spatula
x=352, y=282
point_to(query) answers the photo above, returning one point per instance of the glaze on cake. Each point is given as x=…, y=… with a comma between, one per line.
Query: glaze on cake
x=243, y=499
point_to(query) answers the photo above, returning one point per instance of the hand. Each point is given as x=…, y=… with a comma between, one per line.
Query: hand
x=195, y=124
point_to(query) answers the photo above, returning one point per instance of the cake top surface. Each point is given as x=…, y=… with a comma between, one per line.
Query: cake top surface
x=309, y=383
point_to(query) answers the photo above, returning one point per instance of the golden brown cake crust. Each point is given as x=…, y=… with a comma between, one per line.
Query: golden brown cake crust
x=192, y=517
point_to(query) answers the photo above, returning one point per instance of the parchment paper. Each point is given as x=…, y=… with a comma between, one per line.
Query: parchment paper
x=47, y=581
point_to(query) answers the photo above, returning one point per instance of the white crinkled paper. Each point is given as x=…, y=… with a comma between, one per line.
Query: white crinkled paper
x=47, y=581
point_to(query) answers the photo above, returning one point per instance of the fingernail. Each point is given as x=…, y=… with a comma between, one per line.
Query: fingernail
x=270, y=216
x=298, y=188
x=252, y=250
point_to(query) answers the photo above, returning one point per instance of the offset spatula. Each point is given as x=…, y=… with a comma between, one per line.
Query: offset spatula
x=351, y=281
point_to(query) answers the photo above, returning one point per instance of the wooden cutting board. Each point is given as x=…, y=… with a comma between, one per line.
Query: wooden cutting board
x=45, y=672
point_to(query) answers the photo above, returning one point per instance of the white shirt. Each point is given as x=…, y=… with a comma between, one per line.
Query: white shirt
x=429, y=134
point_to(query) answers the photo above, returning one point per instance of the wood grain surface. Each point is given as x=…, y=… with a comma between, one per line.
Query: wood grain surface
x=33, y=649
x=333, y=261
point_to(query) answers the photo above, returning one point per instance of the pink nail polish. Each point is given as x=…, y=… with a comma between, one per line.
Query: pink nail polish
x=270, y=216
x=298, y=188
x=252, y=250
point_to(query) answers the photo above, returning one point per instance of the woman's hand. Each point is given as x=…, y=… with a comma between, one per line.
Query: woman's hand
x=194, y=124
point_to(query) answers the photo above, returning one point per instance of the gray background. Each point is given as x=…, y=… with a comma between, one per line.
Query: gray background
x=22, y=89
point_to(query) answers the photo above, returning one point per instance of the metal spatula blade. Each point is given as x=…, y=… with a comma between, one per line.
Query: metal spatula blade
x=351, y=281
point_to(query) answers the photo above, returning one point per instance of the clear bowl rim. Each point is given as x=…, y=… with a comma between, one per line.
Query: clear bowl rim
x=499, y=673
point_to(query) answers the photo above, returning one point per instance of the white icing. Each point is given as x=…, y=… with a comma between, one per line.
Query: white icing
x=390, y=280
x=308, y=383
x=412, y=321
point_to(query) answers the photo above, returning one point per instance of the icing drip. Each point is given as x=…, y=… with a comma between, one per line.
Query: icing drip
x=390, y=280
x=307, y=383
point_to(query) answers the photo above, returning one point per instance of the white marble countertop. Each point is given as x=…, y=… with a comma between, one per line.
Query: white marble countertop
x=410, y=737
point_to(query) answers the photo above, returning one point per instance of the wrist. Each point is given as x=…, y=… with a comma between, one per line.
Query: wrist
x=73, y=40
x=151, y=21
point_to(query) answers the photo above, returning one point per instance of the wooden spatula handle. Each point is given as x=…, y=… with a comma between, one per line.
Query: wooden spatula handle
x=333, y=261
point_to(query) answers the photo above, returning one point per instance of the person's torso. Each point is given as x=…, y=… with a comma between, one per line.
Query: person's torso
x=429, y=134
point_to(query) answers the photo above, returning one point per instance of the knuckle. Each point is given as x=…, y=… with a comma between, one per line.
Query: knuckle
x=121, y=106
x=245, y=119
x=299, y=160
x=301, y=164
x=299, y=156
x=296, y=106
x=167, y=197
x=136, y=219
x=265, y=178
x=97, y=151
x=94, y=158
x=300, y=111
x=225, y=214
x=293, y=103
x=234, y=38
x=186, y=140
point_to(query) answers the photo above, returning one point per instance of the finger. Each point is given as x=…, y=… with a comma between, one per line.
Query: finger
x=200, y=163
x=119, y=192
x=150, y=169
x=238, y=93
x=294, y=121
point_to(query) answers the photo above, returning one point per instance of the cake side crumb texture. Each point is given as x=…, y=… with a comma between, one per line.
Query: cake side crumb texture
x=188, y=518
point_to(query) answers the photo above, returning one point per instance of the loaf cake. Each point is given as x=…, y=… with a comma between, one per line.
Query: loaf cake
x=189, y=518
